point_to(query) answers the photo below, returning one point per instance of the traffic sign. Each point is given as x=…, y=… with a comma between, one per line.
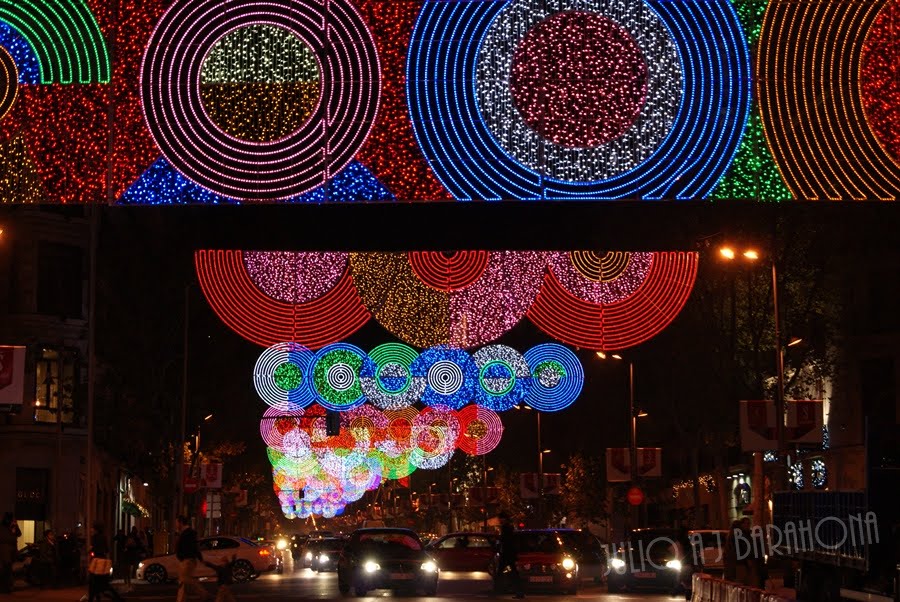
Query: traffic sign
x=635, y=496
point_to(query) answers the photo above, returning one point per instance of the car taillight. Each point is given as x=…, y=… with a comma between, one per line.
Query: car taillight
x=265, y=552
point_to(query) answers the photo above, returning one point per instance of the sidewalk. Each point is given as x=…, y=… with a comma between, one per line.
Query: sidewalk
x=24, y=592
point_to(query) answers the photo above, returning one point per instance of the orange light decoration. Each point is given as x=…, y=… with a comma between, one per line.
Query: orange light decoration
x=814, y=114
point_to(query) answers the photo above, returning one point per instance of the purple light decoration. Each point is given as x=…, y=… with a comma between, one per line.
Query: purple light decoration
x=294, y=277
x=628, y=272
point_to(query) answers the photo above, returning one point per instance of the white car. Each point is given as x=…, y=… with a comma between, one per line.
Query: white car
x=252, y=559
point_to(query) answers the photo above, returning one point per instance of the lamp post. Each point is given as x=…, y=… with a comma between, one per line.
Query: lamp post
x=484, y=494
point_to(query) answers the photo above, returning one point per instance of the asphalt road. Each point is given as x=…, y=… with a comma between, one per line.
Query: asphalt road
x=304, y=584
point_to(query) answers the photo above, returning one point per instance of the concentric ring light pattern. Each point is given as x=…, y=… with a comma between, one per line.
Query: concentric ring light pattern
x=817, y=79
x=688, y=128
x=598, y=301
x=255, y=167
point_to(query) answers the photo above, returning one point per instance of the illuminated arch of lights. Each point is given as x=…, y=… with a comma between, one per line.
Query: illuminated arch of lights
x=64, y=37
x=261, y=168
x=596, y=301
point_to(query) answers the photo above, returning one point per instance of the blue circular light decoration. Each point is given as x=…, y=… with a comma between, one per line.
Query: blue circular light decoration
x=471, y=151
x=557, y=377
x=504, y=377
x=273, y=387
x=335, y=376
x=386, y=378
x=451, y=377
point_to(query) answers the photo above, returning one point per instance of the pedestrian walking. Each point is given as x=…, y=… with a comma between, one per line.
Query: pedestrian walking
x=100, y=568
x=132, y=556
x=9, y=535
x=48, y=560
x=509, y=554
x=188, y=554
x=224, y=578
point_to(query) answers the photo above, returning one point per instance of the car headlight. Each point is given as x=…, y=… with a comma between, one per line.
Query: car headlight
x=617, y=563
x=282, y=544
x=568, y=564
x=371, y=567
x=429, y=566
x=323, y=558
x=140, y=565
x=675, y=565
x=309, y=555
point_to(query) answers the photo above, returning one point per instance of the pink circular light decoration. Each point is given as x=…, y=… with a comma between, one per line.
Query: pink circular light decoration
x=601, y=289
x=295, y=277
x=578, y=79
x=480, y=430
x=275, y=423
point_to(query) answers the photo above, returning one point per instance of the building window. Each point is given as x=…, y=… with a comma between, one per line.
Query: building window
x=55, y=386
x=60, y=290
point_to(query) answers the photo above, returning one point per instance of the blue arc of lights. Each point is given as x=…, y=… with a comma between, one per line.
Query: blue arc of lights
x=471, y=164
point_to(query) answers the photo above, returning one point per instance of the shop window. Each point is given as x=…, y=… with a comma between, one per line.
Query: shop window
x=55, y=386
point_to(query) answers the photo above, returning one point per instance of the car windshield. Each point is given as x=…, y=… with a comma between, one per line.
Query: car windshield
x=390, y=539
x=247, y=541
x=538, y=542
x=655, y=544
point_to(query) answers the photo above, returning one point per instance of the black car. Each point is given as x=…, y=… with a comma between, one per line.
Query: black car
x=325, y=553
x=546, y=560
x=649, y=559
x=298, y=543
x=385, y=558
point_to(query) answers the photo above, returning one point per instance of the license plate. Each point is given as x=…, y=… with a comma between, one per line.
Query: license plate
x=645, y=575
x=541, y=579
x=401, y=576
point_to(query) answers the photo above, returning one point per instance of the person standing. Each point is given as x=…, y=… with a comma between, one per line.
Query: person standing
x=132, y=555
x=509, y=554
x=9, y=535
x=99, y=578
x=48, y=559
x=187, y=551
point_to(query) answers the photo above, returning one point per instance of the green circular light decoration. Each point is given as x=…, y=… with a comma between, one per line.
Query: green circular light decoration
x=260, y=83
x=489, y=381
x=288, y=376
x=549, y=373
x=336, y=378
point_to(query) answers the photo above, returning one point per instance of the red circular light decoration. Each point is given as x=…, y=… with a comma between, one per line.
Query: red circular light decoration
x=260, y=319
x=9, y=81
x=878, y=78
x=624, y=323
x=579, y=79
x=449, y=272
x=480, y=430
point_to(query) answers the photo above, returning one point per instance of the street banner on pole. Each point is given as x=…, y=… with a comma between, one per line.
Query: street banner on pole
x=804, y=421
x=211, y=475
x=12, y=377
x=758, y=431
x=618, y=463
x=528, y=486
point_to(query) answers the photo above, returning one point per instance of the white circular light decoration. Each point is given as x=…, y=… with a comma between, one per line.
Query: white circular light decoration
x=650, y=122
x=445, y=377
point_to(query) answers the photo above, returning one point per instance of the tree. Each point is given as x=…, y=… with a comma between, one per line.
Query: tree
x=583, y=494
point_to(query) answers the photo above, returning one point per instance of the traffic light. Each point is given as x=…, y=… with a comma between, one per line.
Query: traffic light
x=332, y=423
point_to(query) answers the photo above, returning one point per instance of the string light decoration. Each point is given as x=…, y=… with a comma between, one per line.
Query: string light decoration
x=829, y=150
x=24, y=59
x=295, y=277
x=568, y=318
x=430, y=312
x=480, y=430
x=435, y=432
x=64, y=36
x=504, y=378
x=259, y=96
x=557, y=377
x=9, y=82
x=818, y=473
x=480, y=146
x=597, y=278
x=277, y=169
x=335, y=376
x=281, y=376
x=265, y=321
x=386, y=377
x=162, y=184
x=451, y=376
x=878, y=79
x=795, y=475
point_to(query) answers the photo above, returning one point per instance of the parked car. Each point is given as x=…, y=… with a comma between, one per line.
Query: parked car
x=649, y=559
x=546, y=560
x=712, y=547
x=252, y=560
x=325, y=553
x=464, y=551
x=386, y=559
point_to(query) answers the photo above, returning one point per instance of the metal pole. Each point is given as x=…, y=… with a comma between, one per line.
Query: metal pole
x=633, y=451
x=484, y=491
x=92, y=375
x=178, y=507
x=540, y=471
x=779, y=395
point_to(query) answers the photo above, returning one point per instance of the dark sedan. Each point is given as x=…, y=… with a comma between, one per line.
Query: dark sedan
x=325, y=553
x=386, y=558
x=650, y=559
